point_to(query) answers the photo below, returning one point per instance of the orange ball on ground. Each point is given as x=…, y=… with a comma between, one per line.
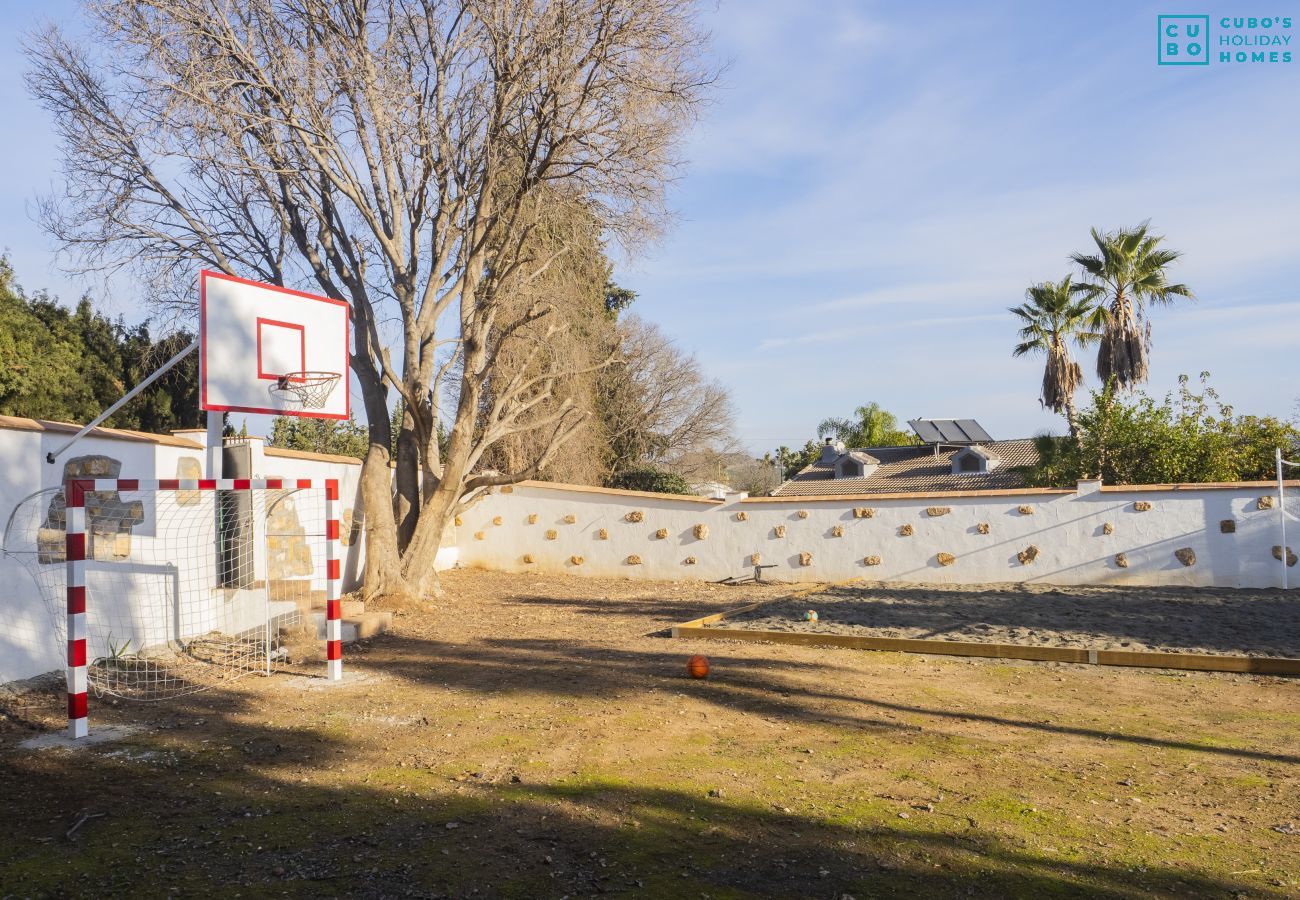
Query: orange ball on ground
x=698, y=666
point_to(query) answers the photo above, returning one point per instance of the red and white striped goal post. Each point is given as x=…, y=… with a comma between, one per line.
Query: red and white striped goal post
x=74, y=493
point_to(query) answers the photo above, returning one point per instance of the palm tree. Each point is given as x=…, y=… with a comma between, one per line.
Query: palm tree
x=874, y=426
x=1054, y=316
x=1125, y=276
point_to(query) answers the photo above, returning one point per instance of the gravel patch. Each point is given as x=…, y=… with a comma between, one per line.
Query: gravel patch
x=1185, y=620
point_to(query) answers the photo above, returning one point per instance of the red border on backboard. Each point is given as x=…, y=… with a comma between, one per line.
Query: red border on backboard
x=204, y=275
x=302, y=349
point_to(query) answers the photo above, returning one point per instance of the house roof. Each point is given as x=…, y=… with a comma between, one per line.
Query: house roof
x=981, y=449
x=914, y=469
x=863, y=457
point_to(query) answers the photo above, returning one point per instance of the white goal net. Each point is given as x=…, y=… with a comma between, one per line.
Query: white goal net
x=160, y=592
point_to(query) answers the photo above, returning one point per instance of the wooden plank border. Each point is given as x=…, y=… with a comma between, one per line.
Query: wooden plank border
x=1201, y=662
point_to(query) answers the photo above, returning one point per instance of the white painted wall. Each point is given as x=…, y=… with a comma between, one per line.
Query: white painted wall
x=1068, y=528
x=29, y=643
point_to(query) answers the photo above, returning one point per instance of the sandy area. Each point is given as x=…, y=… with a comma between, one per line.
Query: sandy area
x=1189, y=620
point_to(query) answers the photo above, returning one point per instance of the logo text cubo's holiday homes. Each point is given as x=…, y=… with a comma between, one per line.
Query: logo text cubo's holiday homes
x=1197, y=40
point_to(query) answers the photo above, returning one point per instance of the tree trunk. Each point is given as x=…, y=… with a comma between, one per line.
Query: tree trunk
x=406, y=498
x=383, y=570
x=422, y=552
x=1071, y=414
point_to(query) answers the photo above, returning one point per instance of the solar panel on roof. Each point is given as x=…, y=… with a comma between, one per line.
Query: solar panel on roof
x=950, y=431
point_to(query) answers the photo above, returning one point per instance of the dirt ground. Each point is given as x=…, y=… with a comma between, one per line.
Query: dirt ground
x=1167, y=619
x=537, y=737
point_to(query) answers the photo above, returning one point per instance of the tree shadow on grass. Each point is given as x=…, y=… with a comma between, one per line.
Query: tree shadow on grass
x=221, y=807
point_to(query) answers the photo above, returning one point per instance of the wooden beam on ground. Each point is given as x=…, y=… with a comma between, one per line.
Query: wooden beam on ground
x=1201, y=662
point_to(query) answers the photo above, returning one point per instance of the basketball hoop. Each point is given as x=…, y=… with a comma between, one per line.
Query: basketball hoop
x=304, y=390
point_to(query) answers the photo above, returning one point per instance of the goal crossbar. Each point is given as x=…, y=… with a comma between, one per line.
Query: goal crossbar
x=76, y=545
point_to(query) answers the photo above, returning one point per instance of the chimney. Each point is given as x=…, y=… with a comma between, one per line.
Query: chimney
x=831, y=450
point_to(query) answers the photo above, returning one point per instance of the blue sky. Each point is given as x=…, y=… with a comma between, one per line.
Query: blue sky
x=875, y=183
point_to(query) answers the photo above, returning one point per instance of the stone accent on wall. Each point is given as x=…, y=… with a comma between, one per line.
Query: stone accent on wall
x=602, y=534
x=864, y=512
x=905, y=530
x=805, y=559
x=1186, y=556
x=109, y=518
x=803, y=514
x=1027, y=555
x=1290, y=555
x=742, y=516
x=496, y=520
x=1107, y=528
x=837, y=531
x=1121, y=560
x=871, y=561
x=701, y=531
x=945, y=559
x=528, y=558
x=661, y=533
x=1025, y=510
x=935, y=512
x=1227, y=526
x=576, y=560
x=982, y=528
x=778, y=531
x=188, y=469
x=1265, y=502
x=532, y=518
x=634, y=560
x=634, y=516
x=1141, y=506
x=570, y=519
x=689, y=561
x=552, y=534
x=755, y=559
x=478, y=535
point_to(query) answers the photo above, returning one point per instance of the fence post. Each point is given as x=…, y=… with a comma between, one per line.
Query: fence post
x=333, y=605
x=74, y=511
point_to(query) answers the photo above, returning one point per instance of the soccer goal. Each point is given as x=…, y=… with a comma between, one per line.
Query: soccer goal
x=167, y=587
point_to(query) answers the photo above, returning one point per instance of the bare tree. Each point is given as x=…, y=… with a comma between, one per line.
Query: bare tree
x=391, y=154
x=659, y=409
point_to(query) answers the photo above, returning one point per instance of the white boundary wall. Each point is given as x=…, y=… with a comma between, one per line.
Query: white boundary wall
x=1068, y=528
x=28, y=645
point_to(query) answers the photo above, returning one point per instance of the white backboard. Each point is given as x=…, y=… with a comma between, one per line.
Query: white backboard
x=251, y=334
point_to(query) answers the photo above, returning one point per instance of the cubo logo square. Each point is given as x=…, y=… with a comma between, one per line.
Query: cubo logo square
x=1183, y=40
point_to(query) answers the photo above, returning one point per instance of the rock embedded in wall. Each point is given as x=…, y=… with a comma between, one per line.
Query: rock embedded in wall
x=570, y=519
x=634, y=516
x=661, y=533
x=1290, y=556
x=528, y=558
x=459, y=521
x=634, y=560
x=576, y=560
x=532, y=518
x=1121, y=560
x=1107, y=528
x=945, y=559
x=837, y=531
x=701, y=531
x=551, y=534
x=905, y=530
x=755, y=558
x=863, y=512
x=805, y=559
x=1025, y=510
x=778, y=531
x=742, y=516
x=803, y=514
x=871, y=561
x=1186, y=556
x=689, y=561
x=602, y=534
x=496, y=520
x=1264, y=503
x=1027, y=555
x=982, y=528
x=1227, y=526
x=478, y=535
x=935, y=512
x=1141, y=506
